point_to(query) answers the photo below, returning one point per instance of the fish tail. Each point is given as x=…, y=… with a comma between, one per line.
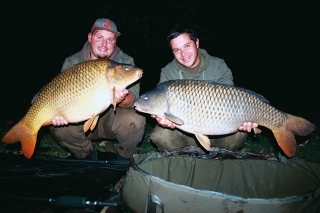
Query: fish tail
x=299, y=126
x=293, y=126
x=28, y=140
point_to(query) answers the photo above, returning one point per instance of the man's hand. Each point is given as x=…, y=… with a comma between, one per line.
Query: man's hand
x=247, y=126
x=59, y=121
x=121, y=94
x=164, y=122
x=124, y=98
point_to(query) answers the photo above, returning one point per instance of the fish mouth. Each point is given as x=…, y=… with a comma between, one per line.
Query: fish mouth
x=139, y=75
x=138, y=108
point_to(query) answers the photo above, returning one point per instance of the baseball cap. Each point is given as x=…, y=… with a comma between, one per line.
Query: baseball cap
x=106, y=24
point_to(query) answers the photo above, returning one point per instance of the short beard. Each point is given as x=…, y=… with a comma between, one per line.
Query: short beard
x=103, y=57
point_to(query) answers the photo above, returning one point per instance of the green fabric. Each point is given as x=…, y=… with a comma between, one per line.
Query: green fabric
x=187, y=184
x=244, y=178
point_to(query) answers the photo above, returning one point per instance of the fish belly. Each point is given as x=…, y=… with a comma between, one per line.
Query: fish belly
x=86, y=106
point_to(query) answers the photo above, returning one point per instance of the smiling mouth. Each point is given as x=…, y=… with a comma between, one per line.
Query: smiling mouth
x=186, y=59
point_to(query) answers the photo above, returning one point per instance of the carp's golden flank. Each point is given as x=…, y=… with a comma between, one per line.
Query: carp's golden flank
x=78, y=94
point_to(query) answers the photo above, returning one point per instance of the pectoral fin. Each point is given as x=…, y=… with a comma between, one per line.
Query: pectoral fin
x=91, y=123
x=114, y=103
x=204, y=141
x=47, y=123
x=256, y=130
x=173, y=118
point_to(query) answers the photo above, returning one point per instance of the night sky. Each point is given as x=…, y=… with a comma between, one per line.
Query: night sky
x=271, y=48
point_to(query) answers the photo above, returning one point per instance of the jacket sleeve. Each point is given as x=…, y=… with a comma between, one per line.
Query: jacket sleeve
x=70, y=62
x=163, y=76
x=224, y=76
x=169, y=72
x=66, y=65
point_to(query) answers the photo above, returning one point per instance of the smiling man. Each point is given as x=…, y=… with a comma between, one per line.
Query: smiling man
x=191, y=62
x=126, y=126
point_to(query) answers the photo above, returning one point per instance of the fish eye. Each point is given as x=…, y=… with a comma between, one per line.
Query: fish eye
x=126, y=68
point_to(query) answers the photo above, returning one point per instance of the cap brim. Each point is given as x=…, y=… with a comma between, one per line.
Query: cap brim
x=108, y=29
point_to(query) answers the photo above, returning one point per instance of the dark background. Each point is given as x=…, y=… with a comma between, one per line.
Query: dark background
x=271, y=47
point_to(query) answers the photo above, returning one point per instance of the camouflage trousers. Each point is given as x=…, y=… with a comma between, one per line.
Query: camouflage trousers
x=124, y=125
x=168, y=139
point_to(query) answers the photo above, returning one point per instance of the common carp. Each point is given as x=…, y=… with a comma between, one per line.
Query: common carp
x=206, y=108
x=78, y=94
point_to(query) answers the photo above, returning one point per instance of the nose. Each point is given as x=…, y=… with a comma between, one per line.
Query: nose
x=104, y=42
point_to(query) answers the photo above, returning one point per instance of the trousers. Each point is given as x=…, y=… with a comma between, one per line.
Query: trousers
x=124, y=125
x=170, y=139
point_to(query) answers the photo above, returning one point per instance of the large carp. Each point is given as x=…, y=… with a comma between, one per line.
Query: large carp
x=205, y=108
x=78, y=94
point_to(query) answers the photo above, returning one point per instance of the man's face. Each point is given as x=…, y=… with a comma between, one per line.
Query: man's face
x=102, y=43
x=185, y=50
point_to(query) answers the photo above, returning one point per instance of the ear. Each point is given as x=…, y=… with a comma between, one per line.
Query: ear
x=197, y=43
x=89, y=37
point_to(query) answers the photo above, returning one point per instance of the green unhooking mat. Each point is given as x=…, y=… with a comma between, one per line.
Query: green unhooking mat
x=175, y=184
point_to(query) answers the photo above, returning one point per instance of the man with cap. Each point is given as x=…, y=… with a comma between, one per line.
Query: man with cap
x=126, y=125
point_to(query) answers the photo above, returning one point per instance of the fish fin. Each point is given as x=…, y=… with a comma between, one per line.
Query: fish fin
x=286, y=141
x=47, y=123
x=28, y=140
x=91, y=123
x=204, y=141
x=256, y=130
x=114, y=103
x=299, y=126
x=174, y=119
x=285, y=135
x=86, y=125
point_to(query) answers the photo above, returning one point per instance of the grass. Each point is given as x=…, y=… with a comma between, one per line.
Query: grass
x=264, y=142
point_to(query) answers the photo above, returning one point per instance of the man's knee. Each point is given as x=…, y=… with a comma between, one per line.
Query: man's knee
x=69, y=130
x=232, y=142
x=73, y=138
x=159, y=135
x=130, y=119
x=57, y=132
x=167, y=139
